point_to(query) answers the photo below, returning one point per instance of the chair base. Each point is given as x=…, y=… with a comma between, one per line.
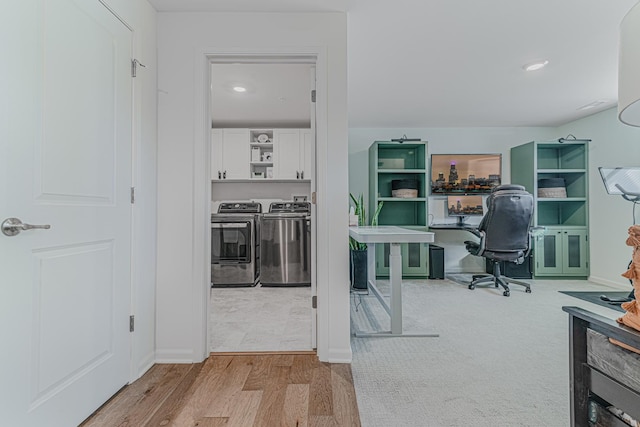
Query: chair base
x=497, y=279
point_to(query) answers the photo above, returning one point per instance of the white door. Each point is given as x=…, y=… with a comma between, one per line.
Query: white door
x=65, y=144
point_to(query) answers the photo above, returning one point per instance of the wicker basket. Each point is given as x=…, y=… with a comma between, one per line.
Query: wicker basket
x=558, y=192
x=552, y=188
x=405, y=193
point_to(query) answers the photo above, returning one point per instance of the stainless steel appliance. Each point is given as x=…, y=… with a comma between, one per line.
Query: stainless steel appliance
x=235, y=249
x=285, y=245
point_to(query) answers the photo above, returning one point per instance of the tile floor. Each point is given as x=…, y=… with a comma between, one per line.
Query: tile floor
x=260, y=319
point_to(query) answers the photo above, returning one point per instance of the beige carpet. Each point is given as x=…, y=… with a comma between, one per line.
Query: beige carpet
x=499, y=361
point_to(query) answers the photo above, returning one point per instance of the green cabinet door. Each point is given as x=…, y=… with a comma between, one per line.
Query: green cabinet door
x=548, y=253
x=575, y=252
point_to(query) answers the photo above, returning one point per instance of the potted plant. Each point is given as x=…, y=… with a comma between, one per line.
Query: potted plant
x=357, y=250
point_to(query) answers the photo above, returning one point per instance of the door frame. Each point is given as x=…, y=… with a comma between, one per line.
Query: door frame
x=202, y=192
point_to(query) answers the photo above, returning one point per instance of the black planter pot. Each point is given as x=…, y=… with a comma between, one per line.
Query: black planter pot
x=358, y=268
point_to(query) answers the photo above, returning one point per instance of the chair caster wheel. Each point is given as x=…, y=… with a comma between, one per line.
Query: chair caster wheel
x=472, y=287
x=528, y=290
x=506, y=293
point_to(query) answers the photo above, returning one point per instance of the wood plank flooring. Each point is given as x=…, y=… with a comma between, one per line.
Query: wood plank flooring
x=244, y=390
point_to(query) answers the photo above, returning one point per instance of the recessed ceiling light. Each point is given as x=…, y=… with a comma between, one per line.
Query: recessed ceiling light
x=240, y=89
x=535, y=65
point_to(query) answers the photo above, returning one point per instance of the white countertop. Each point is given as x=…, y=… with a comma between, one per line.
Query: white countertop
x=390, y=234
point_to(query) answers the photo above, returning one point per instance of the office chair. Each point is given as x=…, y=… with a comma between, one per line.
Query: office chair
x=504, y=234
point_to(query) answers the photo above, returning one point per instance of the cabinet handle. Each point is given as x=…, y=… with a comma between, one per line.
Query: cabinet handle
x=219, y=175
x=302, y=175
x=297, y=175
x=224, y=175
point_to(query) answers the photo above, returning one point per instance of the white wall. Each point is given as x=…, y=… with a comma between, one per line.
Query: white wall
x=184, y=40
x=613, y=144
x=141, y=17
x=443, y=140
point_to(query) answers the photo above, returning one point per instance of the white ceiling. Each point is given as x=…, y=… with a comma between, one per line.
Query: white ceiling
x=452, y=63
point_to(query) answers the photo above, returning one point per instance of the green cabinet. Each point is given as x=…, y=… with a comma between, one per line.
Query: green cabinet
x=563, y=249
x=391, y=162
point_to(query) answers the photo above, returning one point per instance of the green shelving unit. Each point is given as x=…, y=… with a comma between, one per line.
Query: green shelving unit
x=563, y=249
x=389, y=161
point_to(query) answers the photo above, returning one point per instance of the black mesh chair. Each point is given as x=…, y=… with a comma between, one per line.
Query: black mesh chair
x=505, y=234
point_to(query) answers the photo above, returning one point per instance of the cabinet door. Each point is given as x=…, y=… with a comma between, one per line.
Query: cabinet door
x=235, y=154
x=287, y=153
x=306, y=153
x=575, y=252
x=216, y=154
x=548, y=253
x=414, y=259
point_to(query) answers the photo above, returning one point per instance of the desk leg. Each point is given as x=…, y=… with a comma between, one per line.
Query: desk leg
x=395, y=278
x=394, y=309
x=371, y=263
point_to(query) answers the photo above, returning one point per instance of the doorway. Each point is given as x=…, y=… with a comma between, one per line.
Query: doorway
x=267, y=98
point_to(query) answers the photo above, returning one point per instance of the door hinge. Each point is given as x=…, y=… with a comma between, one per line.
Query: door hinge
x=313, y=95
x=133, y=195
x=131, y=323
x=134, y=67
x=314, y=301
x=313, y=198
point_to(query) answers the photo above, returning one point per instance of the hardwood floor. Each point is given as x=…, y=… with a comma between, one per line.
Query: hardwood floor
x=237, y=390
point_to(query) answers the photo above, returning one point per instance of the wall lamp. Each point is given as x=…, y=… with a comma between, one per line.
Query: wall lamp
x=629, y=68
x=571, y=138
x=404, y=139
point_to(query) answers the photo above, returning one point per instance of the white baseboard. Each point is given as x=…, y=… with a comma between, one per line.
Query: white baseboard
x=602, y=281
x=339, y=356
x=175, y=356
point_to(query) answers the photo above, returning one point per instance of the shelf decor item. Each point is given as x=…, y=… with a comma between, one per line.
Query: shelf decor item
x=552, y=188
x=404, y=188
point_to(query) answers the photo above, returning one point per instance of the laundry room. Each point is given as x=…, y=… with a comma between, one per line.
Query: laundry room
x=262, y=218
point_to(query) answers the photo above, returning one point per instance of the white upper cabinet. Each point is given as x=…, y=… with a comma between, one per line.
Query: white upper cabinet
x=287, y=158
x=308, y=147
x=230, y=154
x=216, y=154
x=293, y=153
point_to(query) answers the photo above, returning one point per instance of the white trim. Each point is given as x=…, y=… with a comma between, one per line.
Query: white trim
x=175, y=356
x=201, y=156
x=602, y=281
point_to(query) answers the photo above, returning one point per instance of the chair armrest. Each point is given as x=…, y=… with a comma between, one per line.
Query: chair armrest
x=474, y=231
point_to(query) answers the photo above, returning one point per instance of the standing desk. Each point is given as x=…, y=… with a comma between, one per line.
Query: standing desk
x=394, y=236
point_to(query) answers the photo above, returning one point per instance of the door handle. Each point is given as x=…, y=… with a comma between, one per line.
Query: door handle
x=13, y=226
x=219, y=175
x=224, y=174
x=297, y=175
x=302, y=175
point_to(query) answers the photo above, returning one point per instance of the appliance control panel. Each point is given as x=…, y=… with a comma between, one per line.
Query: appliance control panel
x=296, y=207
